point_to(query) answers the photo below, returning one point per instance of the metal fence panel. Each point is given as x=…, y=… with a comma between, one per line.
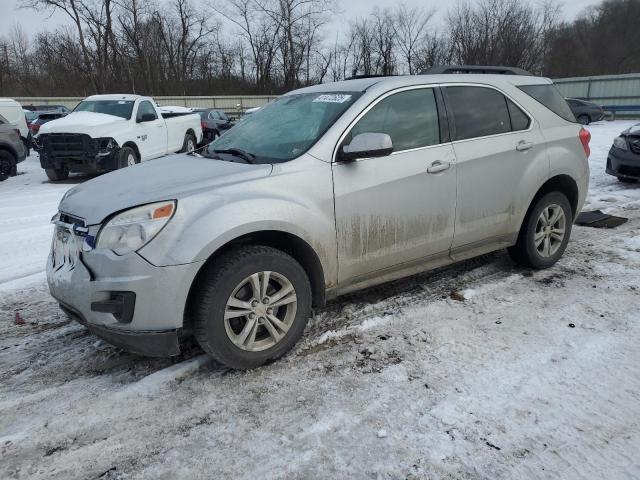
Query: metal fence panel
x=233, y=105
x=606, y=90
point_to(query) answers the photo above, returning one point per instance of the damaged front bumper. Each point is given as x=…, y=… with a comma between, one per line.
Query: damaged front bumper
x=125, y=300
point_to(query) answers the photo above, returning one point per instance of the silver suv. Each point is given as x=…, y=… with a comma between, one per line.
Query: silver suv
x=327, y=190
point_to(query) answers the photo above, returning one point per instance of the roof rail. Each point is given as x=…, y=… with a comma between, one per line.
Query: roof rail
x=358, y=77
x=492, y=69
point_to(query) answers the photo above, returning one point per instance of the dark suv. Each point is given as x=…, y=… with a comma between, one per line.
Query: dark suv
x=12, y=149
x=214, y=123
x=624, y=157
x=585, y=112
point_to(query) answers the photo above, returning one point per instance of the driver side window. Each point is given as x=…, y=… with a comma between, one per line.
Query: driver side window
x=410, y=118
x=146, y=108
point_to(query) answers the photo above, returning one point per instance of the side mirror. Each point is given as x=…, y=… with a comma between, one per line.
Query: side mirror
x=367, y=145
x=146, y=117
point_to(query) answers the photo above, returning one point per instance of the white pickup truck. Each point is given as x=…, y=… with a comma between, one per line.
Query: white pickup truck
x=108, y=132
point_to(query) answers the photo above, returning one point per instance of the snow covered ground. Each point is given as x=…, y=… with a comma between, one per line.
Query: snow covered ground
x=527, y=375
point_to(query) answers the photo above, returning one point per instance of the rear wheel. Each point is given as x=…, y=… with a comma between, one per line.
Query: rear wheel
x=583, y=119
x=7, y=165
x=57, y=174
x=189, y=144
x=250, y=306
x=127, y=157
x=545, y=232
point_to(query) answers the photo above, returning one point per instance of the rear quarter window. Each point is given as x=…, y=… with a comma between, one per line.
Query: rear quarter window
x=549, y=96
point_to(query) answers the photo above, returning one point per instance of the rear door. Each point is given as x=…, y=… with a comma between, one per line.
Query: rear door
x=391, y=212
x=151, y=132
x=496, y=144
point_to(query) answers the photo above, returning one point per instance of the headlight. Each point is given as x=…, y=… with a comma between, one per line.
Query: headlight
x=105, y=145
x=134, y=228
x=621, y=143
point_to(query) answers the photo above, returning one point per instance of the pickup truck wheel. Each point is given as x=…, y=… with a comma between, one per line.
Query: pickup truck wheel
x=57, y=174
x=7, y=165
x=127, y=157
x=189, y=144
x=545, y=232
x=250, y=306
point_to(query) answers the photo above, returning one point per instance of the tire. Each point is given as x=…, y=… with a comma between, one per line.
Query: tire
x=229, y=276
x=525, y=251
x=7, y=165
x=127, y=157
x=189, y=144
x=627, y=180
x=583, y=119
x=57, y=174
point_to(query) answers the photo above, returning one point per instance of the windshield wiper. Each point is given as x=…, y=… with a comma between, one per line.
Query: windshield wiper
x=248, y=157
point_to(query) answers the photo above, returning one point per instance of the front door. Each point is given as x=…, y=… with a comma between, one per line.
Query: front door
x=397, y=210
x=151, y=133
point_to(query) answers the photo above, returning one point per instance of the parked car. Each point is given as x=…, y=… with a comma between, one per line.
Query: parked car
x=12, y=149
x=42, y=118
x=356, y=183
x=585, y=112
x=214, y=122
x=108, y=132
x=623, y=160
x=14, y=114
x=47, y=108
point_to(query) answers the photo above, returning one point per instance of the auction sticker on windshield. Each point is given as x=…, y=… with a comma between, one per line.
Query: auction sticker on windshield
x=333, y=98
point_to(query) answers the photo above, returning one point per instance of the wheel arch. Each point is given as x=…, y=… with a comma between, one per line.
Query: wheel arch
x=132, y=145
x=287, y=242
x=7, y=148
x=564, y=184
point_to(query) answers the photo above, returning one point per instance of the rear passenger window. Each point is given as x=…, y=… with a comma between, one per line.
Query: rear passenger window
x=519, y=120
x=410, y=118
x=478, y=112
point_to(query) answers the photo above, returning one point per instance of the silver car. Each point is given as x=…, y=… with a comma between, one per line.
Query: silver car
x=327, y=190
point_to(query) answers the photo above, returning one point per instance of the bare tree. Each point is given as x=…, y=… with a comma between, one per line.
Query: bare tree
x=411, y=32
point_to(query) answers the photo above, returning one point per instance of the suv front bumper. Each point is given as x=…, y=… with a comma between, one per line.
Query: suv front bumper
x=623, y=164
x=153, y=326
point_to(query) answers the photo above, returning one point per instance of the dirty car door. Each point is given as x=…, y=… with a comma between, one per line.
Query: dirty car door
x=400, y=209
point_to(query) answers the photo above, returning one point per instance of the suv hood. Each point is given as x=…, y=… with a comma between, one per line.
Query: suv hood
x=82, y=122
x=633, y=131
x=167, y=178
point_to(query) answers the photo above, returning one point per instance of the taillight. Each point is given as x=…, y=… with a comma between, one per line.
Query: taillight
x=203, y=125
x=35, y=128
x=585, y=138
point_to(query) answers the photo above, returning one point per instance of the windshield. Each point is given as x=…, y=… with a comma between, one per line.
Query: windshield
x=31, y=116
x=285, y=128
x=118, y=108
x=203, y=114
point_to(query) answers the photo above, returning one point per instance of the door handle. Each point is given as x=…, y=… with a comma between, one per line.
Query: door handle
x=438, y=166
x=523, y=146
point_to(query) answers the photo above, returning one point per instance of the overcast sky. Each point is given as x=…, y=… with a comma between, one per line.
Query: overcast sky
x=33, y=21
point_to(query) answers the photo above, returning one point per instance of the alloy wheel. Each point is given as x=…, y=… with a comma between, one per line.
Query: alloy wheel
x=550, y=230
x=260, y=311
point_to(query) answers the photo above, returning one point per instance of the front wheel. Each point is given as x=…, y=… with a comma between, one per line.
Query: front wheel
x=57, y=174
x=545, y=232
x=7, y=165
x=127, y=157
x=250, y=306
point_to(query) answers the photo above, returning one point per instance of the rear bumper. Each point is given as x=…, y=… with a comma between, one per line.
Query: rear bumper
x=164, y=343
x=623, y=164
